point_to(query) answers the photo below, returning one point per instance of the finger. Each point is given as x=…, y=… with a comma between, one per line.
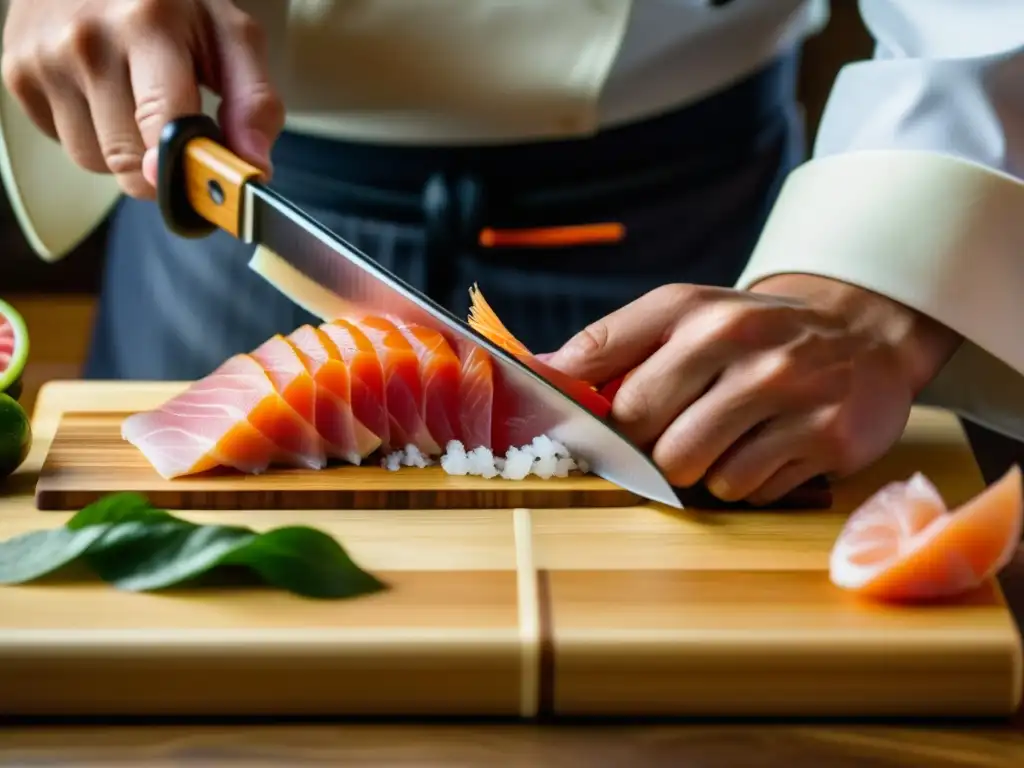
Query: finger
x=164, y=87
x=702, y=433
x=72, y=120
x=754, y=389
x=113, y=112
x=790, y=476
x=251, y=112
x=623, y=339
x=760, y=454
x=22, y=81
x=660, y=388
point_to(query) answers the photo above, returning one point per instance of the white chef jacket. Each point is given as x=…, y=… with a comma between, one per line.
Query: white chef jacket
x=913, y=189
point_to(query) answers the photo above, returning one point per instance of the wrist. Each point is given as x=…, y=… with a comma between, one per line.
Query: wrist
x=922, y=345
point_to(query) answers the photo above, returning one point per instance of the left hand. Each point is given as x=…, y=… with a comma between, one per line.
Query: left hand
x=756, y=392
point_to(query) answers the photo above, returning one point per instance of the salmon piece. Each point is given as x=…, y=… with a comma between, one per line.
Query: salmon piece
x=904, y=544
x=365, y=375
x=484, y=321
x=291, y=379
x=403, y=390
x=348, y=439
x=234, y=417
x=476, y=397
x=440, y=372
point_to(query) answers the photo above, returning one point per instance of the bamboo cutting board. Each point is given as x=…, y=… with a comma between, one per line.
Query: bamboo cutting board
x=88, y=459
x=634, y=610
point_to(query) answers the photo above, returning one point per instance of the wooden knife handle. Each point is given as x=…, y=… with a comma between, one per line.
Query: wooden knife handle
x=199, y=181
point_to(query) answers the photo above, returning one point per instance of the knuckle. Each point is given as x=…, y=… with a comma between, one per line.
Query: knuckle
x=17, y=75
x=122, y=156
x=151, y=108
x=148, y=14
x=83, y=43
x=592, y=340
x=724, y=322
x=674, y=293
x=779, y=369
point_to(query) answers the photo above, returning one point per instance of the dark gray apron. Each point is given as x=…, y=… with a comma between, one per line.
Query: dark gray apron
x=693, y=189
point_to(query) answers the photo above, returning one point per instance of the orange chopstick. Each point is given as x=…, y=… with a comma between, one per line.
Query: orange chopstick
x=546, y=237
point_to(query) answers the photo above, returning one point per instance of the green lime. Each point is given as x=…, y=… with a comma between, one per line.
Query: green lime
x=15, y=435
x=13, y=348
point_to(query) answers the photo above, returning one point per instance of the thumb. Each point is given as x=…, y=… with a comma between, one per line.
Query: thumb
x=612, y=346
x=604, y=350
x=251, y=111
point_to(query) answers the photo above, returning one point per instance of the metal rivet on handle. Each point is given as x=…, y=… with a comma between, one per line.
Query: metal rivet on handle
x=215, y=191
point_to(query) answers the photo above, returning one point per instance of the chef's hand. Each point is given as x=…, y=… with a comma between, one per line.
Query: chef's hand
x=102, y=77
x=757, y=392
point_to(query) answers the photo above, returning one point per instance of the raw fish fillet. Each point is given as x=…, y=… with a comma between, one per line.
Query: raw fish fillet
x=440, y=372
x=347, y=438
x=485, y=321
x=345, y=389
x=476, y=397
x=904, y=544
x=403, y=390
x=291, y=379
x=366, y=378
x=234, y=417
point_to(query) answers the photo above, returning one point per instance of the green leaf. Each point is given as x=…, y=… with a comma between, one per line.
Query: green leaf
x=117, y=508
x=164, y=554
x=135, y=547
x=34, y=555
x=305, y=561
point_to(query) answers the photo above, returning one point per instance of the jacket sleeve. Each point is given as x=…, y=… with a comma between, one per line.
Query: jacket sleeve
x=914, y=190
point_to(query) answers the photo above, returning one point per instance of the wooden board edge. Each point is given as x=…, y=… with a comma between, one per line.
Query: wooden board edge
x=814, y=494
x=55, y=500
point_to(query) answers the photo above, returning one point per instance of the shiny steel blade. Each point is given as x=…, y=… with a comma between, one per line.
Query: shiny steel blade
x=323, y=257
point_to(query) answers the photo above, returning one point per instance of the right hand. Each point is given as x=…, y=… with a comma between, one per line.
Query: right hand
x=103, y=77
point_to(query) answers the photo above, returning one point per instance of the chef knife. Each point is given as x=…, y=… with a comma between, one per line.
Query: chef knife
x=203, y=186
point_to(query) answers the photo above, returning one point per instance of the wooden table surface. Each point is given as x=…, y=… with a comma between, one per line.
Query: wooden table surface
x=704, y=743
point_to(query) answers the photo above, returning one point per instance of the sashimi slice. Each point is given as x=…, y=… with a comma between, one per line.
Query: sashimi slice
x=215, y=422
x=904, y=544
x=403, y=391
x=347, y=438
x=291, y=379
x=365, y=376
x=485, y=321
x=440, y=375
x=275, y=418
x=476, y=397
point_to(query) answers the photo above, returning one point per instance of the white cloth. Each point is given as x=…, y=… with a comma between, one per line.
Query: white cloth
x=915, y=190
x=457, y=71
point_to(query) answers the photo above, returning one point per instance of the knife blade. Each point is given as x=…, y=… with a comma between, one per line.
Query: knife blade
x=203, y=186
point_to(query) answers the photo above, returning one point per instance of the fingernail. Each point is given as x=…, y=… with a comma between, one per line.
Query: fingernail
x=149, y=165
x=719, y=488
x=545, y=357
x=259, y=146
